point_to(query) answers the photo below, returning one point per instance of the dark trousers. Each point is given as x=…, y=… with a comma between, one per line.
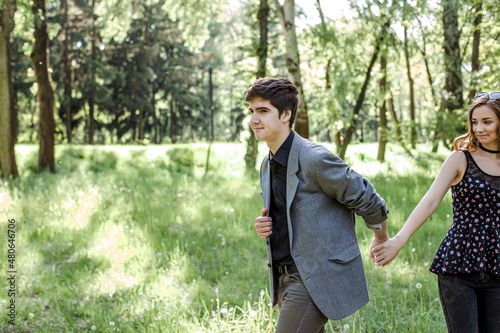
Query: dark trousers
x=471, y=302
x=298, y=313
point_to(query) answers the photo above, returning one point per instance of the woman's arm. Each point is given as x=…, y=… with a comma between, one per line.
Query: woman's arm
x=451, y=172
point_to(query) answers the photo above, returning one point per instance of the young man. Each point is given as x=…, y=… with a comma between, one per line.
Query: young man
x=310, y=197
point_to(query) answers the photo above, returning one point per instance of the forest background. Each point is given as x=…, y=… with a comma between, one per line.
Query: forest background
x=80, y=80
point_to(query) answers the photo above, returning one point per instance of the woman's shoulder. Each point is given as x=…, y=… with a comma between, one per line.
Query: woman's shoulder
x=456, y=164
x=457, y=158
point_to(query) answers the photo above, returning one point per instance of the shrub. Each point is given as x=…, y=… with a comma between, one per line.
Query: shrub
x=70, y=159
x=181, y=160
x=101, y=160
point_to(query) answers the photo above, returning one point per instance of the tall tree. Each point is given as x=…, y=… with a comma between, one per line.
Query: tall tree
x=413, y=135
x=66, y=100
x=40, y=59
x=8, y=166
x=361, y=97
x=478, y=17
x=91, y=97
x=287, y=18
x=452, y=60
x=382, y=111
x=394, y=117
x=262, y=16
x=439, y=107
x=327, y=35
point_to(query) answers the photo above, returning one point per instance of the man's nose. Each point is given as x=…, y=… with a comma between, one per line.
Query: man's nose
x=254, y=118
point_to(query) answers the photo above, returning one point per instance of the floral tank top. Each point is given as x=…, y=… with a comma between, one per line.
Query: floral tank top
x=473, y=242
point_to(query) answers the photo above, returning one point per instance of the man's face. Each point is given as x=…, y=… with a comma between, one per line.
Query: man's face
x=265, y=121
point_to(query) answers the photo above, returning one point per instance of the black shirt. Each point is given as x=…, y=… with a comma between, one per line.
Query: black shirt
x=280, y=243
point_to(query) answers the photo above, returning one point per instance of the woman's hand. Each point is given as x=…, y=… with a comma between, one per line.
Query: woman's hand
x=383, y=254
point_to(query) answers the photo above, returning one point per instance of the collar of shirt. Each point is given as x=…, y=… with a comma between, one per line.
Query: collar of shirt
x=283, y=152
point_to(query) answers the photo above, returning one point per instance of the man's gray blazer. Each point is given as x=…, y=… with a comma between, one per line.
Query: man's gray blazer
x=323, y=194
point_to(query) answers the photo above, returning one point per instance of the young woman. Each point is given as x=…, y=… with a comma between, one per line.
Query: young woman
x=468, y=261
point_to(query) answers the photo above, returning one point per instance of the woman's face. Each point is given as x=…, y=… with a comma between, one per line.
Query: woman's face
x=485, y=124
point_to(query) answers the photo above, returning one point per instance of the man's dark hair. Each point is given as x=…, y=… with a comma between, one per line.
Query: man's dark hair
x=280, y=92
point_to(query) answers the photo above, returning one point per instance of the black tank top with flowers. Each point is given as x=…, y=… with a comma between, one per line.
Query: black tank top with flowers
x=473, y=242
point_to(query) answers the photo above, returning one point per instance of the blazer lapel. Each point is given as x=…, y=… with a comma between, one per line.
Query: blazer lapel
x=266, y=184
x=292, y=182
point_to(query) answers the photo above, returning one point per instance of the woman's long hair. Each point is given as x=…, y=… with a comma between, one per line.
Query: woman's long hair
x=469, y=141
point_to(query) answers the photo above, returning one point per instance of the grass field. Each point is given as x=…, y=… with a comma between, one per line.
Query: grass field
x=142, y=239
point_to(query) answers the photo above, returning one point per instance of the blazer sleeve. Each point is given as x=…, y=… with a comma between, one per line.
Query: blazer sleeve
x=349, y=188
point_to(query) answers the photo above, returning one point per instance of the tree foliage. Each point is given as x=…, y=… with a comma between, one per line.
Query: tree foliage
x=129, y=71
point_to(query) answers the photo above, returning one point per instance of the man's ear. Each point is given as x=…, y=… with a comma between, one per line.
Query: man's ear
x=286, y=115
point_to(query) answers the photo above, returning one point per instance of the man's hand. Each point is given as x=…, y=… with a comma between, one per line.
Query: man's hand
x=383, y=254
x=264, y=224
x=379, y=237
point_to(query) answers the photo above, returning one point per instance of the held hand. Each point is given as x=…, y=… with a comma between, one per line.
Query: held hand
x=264, y=224
x=384, y=254
x=375, y=242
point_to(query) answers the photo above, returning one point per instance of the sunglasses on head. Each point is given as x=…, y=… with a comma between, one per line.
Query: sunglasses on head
x=493, y=95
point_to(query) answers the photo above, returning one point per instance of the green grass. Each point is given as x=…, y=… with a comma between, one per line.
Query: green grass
x=138, y=239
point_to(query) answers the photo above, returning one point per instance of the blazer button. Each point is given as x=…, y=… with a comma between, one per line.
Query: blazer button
x=269, y=265
x=267, y=242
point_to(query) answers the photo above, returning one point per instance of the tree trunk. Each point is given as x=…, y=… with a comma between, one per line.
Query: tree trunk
x=252, y=143
x=478, y=7
x=92, y=76
x=382, y=111
x=328, y=83
x=165, y=125
x=66, y=103
x=155, y=118
x=394, y=118
x=173, y=121
x=40, y=59
x=140, y=124
x=413, y=135
x=287, y=19
x=262, y=16
x=8, y=166
x=453, y=83
x=210, y=98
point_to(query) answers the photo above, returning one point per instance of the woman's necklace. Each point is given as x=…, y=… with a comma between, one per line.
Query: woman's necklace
x=489, y=150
